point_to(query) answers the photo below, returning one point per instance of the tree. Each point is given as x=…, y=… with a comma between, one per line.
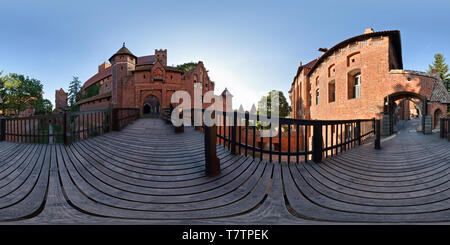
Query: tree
x=440, y=66
x=43, y=106
x=447, y=84
x=187, y=66
x=74, y=89
x=266, y=102
x=20, y=93
x=2, y=92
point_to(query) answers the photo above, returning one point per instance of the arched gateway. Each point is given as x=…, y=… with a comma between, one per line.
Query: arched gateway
x=151, y=106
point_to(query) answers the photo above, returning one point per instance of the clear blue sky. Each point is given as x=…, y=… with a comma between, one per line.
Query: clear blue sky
x=250, y=47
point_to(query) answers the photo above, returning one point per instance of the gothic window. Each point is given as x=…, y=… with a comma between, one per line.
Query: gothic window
x=331, y=70
x=331, y=91
x=317, y=96
x=354, y=85
x=357, y=86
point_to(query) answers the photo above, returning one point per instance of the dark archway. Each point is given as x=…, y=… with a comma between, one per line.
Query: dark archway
x=437, y=118
x=146, y=109
x=390, y=107
x=151, y=106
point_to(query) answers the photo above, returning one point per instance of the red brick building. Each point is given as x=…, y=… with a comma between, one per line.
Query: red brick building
x=145, y=82
x=362, y=78
x=60, y=100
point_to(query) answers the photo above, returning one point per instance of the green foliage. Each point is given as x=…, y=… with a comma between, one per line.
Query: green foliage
x=92, y=90
x=447, y=84
x=43, y=107
x=282, y=106
x=187, y=66
x=19, y=93
x=74, y=89
x=440, y=66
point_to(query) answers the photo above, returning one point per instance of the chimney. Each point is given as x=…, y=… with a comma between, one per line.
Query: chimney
x=301, y=64
x=434, y=71
x=103, y=66
x=368, y=30
x=323, y=50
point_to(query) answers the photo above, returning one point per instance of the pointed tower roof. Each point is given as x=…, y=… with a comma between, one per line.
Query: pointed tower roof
x=226, y=93
x=123, y=51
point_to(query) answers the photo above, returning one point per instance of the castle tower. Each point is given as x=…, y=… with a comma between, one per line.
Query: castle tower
x=161, y=56
x=122, y=62
x=60, y=101
x=227, y=99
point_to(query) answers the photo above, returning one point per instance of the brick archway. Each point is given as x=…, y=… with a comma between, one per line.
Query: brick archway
x=437, y=114
x=389, y=108
x=152, y=102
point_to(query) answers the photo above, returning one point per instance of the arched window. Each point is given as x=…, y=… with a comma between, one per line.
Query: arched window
x=354, y=84
x=331, y=91
x=317, y=96
x=357, y=86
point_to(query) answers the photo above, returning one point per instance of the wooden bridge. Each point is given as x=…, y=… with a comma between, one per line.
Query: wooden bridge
x=148, y=174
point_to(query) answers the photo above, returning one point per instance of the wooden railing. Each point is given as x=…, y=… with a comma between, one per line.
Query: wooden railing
x=65, y=127
x=293, y=139
x=166, y=114
x=445, y=128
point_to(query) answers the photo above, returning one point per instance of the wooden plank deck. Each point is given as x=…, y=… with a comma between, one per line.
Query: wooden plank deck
x=147, y=174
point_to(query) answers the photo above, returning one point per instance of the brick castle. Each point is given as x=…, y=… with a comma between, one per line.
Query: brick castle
x=145, y=82
x=363, y=77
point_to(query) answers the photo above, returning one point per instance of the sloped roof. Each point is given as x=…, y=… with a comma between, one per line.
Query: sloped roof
x=149, y=68
x=93, y=98
x=226, y=93
x=308, y=65
x=440, y=92
x=146, y=60
x=123, y=50
x=395, y=35
x=97, y=77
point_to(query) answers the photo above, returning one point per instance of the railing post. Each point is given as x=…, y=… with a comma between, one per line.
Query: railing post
x=317, y=142
x=442, y=128
x=377, y=134
x=212, y=163
x=233, y=133
x=180, y=129
x=448, y=129
x=115, y=124
x=358, y=131
x=66, y=131
x=2, y=129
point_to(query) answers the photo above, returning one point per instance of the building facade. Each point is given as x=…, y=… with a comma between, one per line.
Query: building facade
x=145, y=82
x=60, y=101
x=362, y=78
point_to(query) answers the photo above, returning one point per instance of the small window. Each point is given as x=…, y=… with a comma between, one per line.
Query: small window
x=144, y=76
x=317, y=96
x=357, y=87
x=171, y=77
x=331, y=70
x=331, y=91
x=354, y=85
